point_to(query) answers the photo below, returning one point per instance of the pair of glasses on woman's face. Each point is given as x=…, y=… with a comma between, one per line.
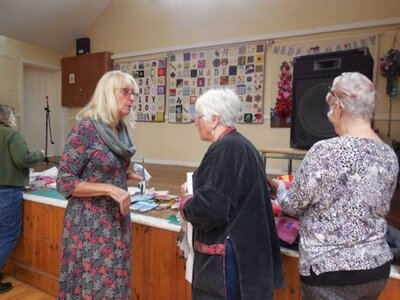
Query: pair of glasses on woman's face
x=128, y=92
x=331, y=97
x=332, y=92
x=197, y=117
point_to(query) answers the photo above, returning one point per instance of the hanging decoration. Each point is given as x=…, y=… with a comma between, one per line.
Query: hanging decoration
x=280, y=114
x=389, y=65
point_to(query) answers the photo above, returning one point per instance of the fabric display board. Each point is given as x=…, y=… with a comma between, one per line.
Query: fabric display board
x=282, y=65
x=150, y=75
x=193, y=72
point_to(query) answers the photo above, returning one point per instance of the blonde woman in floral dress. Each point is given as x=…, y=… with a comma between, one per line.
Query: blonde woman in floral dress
x=93, y=172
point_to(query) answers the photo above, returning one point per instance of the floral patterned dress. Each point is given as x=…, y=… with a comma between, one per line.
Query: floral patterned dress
x=95, y=261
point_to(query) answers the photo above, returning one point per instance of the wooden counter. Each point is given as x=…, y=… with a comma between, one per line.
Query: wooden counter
x=157, y=271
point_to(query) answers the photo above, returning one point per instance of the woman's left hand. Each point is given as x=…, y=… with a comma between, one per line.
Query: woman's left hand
x=122, y=197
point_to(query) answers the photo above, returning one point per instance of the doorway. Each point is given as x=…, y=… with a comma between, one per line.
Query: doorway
x=42, y=86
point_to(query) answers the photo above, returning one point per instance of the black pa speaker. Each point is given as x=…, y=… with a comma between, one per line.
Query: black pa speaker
x=312, y=75
x=82, y=46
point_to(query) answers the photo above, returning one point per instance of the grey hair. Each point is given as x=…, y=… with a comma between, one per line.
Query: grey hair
x=223, y=102
x=356, y=93
x=104, y=104
x=7, y=116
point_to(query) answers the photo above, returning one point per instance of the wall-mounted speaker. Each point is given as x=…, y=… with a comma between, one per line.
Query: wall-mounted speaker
x=312, y=76
x=82, y=46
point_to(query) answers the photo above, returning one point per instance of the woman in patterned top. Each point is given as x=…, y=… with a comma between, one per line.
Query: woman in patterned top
x=93, y=171
x=341, y=194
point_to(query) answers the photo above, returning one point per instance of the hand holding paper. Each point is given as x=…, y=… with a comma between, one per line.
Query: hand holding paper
x=138, y=168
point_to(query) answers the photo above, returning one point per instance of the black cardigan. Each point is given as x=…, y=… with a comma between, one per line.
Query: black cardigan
x=231, y=198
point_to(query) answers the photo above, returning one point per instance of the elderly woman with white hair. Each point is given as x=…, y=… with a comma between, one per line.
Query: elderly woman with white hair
x=236, y=249
x=341, y=194
x=15, y=161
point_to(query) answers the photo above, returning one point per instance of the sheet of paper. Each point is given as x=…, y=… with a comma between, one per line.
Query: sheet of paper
x=140, y=197
x=190, y=256
x=189, y=182
x=143, y=206
x=52, y=172
x=189, y=234
x=132, y=190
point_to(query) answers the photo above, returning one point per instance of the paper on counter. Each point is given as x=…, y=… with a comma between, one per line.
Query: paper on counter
x=52, y=185
x=42, y=179
x=52, y=172
x=132, y=190
x=143, y=206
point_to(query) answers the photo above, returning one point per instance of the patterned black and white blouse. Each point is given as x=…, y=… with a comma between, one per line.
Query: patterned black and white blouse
x=341, y=195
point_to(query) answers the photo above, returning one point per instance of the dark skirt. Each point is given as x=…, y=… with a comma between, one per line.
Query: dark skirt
x=370, y=290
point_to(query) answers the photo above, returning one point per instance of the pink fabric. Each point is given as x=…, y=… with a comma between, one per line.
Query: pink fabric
x=287, y=228
x=276, y=209
x=215, y=249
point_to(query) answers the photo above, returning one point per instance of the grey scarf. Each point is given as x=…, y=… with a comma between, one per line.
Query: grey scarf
x=121, y=146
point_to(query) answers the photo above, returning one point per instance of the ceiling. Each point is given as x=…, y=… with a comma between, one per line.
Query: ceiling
x=54, y=24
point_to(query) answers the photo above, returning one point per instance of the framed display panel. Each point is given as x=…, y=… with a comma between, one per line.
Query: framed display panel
x=150, y=75
x=193, y=72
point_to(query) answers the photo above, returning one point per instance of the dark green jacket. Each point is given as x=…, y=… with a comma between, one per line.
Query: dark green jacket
x=15, y=157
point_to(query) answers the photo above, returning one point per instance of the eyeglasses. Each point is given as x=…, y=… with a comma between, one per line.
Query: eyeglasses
x=330, y=91
x=127, y=92
x=331, y=97
x=335, y=100
x=197, y=117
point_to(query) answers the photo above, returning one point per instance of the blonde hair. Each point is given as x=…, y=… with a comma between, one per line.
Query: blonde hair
x=7, y=116
x=104, y=104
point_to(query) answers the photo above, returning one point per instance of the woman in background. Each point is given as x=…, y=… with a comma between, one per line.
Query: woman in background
x=341, y=194
x=15, y=161
x=93, y=177
x=236, y=249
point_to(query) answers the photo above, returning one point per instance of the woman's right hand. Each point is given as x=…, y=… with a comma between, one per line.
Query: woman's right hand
x=275, y=183
x=184, y=188
x=122, y=197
